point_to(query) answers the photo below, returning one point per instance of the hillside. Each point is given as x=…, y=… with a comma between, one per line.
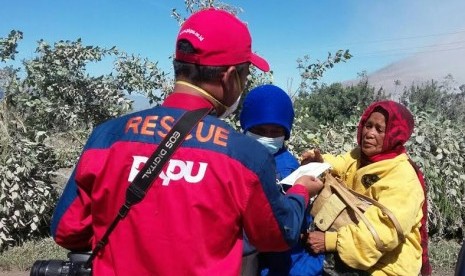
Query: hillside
x=435, y=62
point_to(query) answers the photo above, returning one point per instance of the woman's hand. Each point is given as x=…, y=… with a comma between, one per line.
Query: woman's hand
x=316, y=242
x=313, y=155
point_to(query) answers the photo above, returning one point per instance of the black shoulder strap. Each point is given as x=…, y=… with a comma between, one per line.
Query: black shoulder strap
x=152, y=168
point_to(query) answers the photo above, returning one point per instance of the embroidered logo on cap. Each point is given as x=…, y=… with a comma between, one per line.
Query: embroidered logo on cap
x=195, y=33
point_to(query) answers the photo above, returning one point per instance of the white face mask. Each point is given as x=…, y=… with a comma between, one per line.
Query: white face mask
x=273, y=145
x=231, y=109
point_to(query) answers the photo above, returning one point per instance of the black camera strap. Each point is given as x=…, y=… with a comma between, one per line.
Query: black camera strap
x=152, y=168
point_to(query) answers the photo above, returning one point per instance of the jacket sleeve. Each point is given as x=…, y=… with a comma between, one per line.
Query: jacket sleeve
x=71, y=221
x=400, y=191
x=286, y=163
x=272, y=221
x=71, y=225
x=342, y=164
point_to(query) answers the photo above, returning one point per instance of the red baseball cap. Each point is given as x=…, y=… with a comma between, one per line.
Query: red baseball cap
x=219, y=39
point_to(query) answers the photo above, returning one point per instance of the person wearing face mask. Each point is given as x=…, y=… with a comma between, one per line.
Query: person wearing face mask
x=216, y=185
x=267, y=116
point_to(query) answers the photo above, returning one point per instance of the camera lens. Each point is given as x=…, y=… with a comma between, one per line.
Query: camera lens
x=49, y=268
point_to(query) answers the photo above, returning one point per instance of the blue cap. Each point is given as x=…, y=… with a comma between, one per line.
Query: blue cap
x=267, y=104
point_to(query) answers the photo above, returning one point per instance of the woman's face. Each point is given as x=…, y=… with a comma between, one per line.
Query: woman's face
x=373, y=133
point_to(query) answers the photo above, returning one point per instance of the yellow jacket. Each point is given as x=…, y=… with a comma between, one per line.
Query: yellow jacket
x=399, y=190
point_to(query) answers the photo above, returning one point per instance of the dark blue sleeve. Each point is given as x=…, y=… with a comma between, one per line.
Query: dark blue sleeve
x=286, y=163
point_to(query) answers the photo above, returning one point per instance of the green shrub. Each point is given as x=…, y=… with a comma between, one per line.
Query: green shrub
x=27, y=197
x=438, y=147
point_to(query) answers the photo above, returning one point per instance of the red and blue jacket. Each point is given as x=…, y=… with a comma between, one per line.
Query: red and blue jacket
x=217, y=183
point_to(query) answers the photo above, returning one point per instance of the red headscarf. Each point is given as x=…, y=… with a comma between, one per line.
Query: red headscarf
x=399, y=128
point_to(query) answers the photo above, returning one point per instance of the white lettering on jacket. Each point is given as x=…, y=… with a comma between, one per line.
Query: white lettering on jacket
x=176, y=170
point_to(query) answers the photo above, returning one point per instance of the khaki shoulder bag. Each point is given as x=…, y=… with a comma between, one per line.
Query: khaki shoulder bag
x=336, y=206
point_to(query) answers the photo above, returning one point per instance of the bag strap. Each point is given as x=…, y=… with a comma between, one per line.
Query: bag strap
x=152, y=168
x=342, y=192
x=385, y=211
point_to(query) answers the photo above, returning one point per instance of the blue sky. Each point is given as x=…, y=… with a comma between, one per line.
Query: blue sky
x=377, y=32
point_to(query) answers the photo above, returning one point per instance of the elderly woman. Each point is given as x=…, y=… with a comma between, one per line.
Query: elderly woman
x=379, y=168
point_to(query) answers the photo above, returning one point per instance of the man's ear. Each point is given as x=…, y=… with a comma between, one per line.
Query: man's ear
x=230, y=85
x=229, y=74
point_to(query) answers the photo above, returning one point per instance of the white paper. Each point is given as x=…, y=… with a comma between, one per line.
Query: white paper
x=313, y=169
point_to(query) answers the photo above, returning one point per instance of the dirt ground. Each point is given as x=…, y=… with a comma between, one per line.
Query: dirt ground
x=14, y=273
x=436, y=272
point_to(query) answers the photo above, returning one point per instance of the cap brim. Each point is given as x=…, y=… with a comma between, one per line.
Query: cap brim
x=259, y=62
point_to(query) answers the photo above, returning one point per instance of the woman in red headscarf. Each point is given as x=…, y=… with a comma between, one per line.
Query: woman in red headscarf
x=381, y=169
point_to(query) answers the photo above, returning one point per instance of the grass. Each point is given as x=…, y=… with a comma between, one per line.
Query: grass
x=443, y=255
x=21, y=258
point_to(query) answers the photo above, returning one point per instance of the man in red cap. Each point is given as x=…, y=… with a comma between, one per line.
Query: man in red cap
x=217, y=183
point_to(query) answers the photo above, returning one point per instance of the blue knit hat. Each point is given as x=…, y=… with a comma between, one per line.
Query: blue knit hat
x=267, y=104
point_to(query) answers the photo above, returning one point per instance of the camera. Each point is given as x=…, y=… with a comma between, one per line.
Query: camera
x=74, y=266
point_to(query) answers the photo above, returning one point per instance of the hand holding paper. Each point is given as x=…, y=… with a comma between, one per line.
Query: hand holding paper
x=312, y=169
